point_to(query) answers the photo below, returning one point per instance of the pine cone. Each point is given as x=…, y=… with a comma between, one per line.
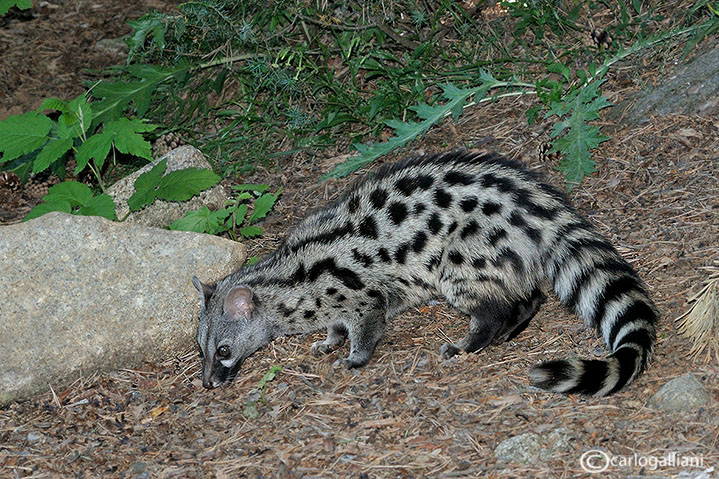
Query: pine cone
x=167, y=142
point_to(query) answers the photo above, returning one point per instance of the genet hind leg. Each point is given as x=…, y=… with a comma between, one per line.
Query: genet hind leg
x=494, y=321
x=487, y=320
x=523, y=313
x=336, y=335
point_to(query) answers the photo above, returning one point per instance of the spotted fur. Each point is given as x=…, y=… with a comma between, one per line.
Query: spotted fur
x=479, y=230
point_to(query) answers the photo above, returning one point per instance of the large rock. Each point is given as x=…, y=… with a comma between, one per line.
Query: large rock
x=162, y=213
x=83, y=294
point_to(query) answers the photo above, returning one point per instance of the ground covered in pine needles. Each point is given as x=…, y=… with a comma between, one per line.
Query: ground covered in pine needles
x=409, y=413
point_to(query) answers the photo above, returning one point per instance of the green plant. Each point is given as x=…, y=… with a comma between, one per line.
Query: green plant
x=258, y=393
x=178, y=185
x=231, y=218
x=574, y=98
x=75, y=198
x=34, y=142
x=431, y=115
x=6, y=5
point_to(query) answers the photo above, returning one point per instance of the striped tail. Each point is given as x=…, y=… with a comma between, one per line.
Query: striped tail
x=589, y=275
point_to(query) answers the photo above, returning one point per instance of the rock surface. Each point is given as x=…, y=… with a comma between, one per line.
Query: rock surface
x=83, y=294
x=690, y=90
x=529, y=448
x=522, y=449
x=162, y=213
x=684, y=393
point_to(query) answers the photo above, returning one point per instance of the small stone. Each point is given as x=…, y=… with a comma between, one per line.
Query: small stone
x=684, y=393
x=522, y=449
x=34, y=436
x=162, y=213
x=138, y=467
x=114, y=47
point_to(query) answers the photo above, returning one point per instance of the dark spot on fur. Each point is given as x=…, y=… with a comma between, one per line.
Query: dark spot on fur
x=442, y=198
x=506, y=254
x=397, y=212
x=496, y=235
x=318, y=303
x=285, y=311
x=384, y=255
x=368, y=227
x=504, y=185
x=419, y=208
x=348, y=277
x=456, y=257
x=353, y=203
x=341, y=298
x=458, y=178
x=309, y=314
x=468, y=204
x=491, y=208
x=378, y=198
x=408, y=184
x=452, y=227
x=400, y=255
x=434, y=223
x=469, y=229
x=362, y=258
x=419, y=241
x=479, y=263
x=331, y=291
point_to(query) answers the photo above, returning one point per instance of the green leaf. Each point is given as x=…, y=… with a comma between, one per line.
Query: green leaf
x=22, y=134
x=263, y=205
x=96, y=147
x=53, y=150
x=202, y=221
x=77, y=115
x=573, y=136
x=239, y=213
x=53, y=103
x=74, y=192
x=268, y=376
x=248, y=187
x=251, y=231
x=561, y=69
x=101, y=205
x=127, y=138
x=5, y=5
x=117, y=96
x=408, y=131
x=145, y=185
x=151, y=23
x=124, y=134
x=181, y=185
x=48, y=207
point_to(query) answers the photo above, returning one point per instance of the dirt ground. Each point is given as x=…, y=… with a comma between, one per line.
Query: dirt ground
x=408, y=413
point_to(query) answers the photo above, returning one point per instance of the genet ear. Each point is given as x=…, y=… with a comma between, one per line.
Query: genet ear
x=238, y=303
x=206, y=291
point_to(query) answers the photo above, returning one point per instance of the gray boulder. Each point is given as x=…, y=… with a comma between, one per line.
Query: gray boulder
x=162, y=213
x=82, y=294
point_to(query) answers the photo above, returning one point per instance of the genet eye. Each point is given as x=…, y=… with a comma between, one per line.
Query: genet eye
x=223, y=352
